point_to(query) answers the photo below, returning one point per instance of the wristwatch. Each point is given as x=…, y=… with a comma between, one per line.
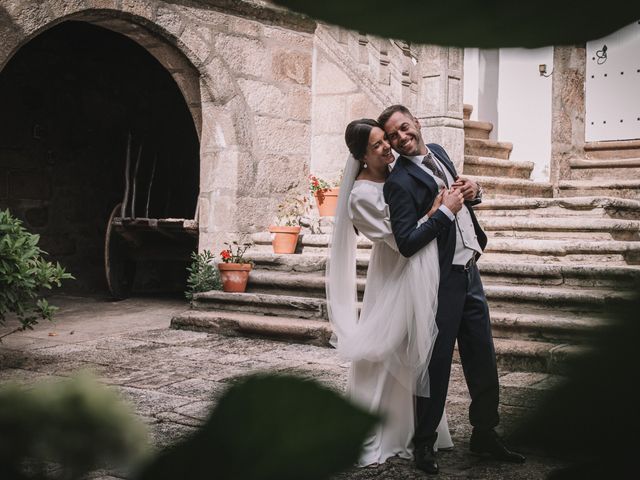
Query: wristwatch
x=480, y=192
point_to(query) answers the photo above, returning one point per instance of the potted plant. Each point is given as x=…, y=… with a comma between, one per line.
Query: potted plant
x=326, y=195
x=287, y=228
x=234, y=269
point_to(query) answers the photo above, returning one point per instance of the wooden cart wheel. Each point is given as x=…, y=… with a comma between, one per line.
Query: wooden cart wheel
x=120, y=269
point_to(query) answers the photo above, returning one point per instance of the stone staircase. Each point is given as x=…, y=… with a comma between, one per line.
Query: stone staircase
x=608, y=168
x=552, y=268
x=487, y=161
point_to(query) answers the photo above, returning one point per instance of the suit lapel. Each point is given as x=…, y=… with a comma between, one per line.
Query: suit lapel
x=444, y=161
x=416, y=172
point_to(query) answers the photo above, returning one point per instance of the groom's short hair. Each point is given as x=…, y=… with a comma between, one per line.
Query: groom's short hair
x=387, y=112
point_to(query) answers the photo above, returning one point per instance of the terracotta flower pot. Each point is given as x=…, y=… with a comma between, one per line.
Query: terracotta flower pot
x=234, y=276
x=284, y=239
x=327, y=201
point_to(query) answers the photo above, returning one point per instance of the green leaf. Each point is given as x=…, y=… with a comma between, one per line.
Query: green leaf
x=270, y=427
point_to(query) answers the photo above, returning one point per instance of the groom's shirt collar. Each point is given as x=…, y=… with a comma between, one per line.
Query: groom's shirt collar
x=417, y=159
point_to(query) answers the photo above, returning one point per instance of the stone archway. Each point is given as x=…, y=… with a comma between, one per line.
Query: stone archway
x=209, y=90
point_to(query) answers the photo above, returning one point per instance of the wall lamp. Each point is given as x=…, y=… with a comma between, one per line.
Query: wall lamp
x=542, y=68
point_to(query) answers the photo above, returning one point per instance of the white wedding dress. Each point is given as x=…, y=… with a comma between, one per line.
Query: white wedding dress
x=390, y=342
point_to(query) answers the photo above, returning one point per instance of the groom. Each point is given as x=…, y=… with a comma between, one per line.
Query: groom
x=420, y=173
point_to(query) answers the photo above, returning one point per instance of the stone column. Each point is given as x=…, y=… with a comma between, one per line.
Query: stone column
x=568, y=110
x=439, y=99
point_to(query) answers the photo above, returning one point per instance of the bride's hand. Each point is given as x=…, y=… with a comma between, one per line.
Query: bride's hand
x=436, y=203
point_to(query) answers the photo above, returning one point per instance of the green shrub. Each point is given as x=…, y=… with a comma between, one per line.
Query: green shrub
x=24, y=273
x=203, y=274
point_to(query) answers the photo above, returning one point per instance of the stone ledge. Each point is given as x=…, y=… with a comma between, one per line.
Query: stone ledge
x=580, y=163
x=526, y=389
x=498, y=162
x=233, y=323
x=518, y=187
x=560, y=224
x=278, y=305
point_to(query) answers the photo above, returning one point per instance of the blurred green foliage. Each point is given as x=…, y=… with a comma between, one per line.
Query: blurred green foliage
x=470, y=23
x=270, y=427
x=64, y=429
x=592, y=418
x=265, y=427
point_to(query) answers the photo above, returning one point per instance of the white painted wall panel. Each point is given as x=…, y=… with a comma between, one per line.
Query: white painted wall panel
x=524, y=106
x=613, y=86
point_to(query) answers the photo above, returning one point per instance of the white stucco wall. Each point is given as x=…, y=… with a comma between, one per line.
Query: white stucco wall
x=507, y=90
x=524, y=106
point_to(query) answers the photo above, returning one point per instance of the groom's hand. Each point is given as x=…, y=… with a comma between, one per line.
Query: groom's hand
x=453, y=200
x=467, y=187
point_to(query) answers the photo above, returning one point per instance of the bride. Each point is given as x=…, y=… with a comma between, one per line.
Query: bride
x=389, y=342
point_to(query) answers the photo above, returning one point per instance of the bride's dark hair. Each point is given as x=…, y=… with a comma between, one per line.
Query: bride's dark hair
x=356, y=136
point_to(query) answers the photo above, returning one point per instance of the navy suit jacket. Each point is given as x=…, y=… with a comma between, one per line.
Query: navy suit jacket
x=410, y=192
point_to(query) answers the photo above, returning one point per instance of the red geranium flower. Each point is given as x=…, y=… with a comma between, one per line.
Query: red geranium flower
x=225, y=254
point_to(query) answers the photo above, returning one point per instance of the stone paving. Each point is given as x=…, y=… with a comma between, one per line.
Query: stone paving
x=171, y=376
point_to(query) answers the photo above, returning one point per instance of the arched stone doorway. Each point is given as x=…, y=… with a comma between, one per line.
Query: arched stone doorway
x=74, y=95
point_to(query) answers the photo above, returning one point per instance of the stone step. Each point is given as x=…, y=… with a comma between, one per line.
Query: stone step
x=512, y=355
x=598, y=207
x=286, y=273
x=268, y=293
x=597, y=276
x=317, y=332
x=550, y=326
x=562, y=228
x=604, y=253
x=496, y=167
x=613, y=188
x=500, y=187
x=483, y=147
x=477, y=129
x=307, y=243
x=533, y=356
x=568, y=299
x=263, y=304
x=526, y=389
x=619, y=169
x=614, y=149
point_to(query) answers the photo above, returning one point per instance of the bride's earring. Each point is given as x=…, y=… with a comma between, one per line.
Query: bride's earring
x=364, y=165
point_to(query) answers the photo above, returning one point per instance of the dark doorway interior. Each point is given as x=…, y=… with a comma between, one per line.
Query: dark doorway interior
x=68, y=101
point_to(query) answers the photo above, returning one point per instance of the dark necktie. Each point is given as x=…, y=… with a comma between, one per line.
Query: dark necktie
x=431, y=164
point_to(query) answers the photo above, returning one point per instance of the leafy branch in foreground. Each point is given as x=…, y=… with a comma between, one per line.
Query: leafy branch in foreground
x=23, y=275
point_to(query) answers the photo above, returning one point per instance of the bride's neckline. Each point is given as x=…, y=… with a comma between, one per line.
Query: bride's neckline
x=369, y=181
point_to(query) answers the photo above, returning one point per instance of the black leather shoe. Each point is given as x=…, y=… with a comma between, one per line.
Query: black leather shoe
x=426, y=459
x=488, y=443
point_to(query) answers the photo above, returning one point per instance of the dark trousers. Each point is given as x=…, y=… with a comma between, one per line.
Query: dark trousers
x=463, y=315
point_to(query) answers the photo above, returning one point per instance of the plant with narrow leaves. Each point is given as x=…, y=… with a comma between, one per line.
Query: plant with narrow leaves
x=203, y=274
x=23, y=275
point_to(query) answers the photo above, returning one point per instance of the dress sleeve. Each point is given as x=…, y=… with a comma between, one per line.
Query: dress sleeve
x=370, y=215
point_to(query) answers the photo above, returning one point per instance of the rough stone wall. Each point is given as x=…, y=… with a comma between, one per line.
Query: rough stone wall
x=337, y=100
x=246, y=76
x=568, y=109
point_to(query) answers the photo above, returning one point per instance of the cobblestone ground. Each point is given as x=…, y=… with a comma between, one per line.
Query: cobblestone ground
x=171, y=376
